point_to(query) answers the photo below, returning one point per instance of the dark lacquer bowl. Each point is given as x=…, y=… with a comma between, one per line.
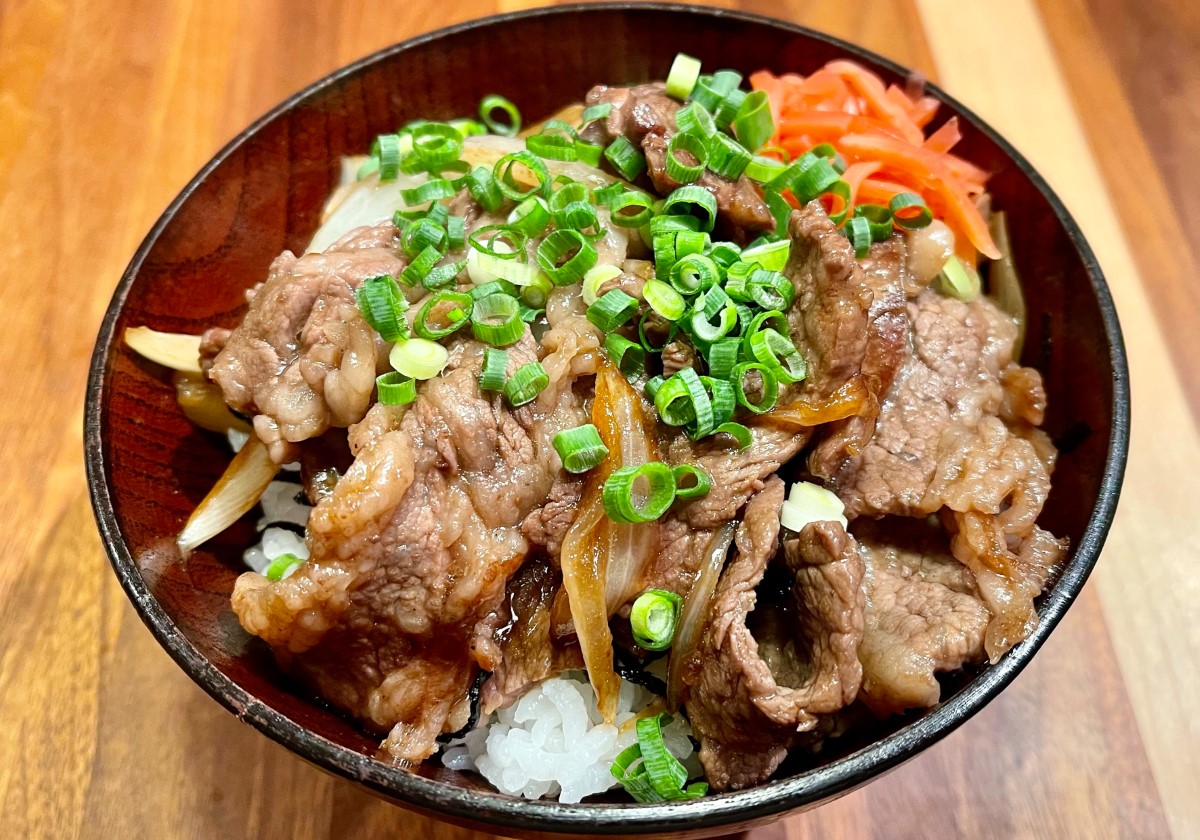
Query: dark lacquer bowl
x=148, y=467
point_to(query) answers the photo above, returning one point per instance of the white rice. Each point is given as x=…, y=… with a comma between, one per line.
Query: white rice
x=550, y=743
x=553, y=743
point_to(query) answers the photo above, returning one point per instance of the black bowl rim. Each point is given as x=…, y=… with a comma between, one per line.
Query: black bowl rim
x=714, y=811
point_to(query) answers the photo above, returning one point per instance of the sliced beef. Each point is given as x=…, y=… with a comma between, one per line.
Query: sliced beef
x=939, y=443
x=741, y=212
x=749, y=693
x=527, y=652
x=924, y=614
x=303, y=359
x=636, y=111
x=548, y=525
x=645, y=115
x=676, y=356
x=395, y=611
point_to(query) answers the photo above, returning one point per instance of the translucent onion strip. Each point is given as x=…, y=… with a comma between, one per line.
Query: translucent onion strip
x=237, y=490
x=174, y=350
x=695, y=611
x=202, y=402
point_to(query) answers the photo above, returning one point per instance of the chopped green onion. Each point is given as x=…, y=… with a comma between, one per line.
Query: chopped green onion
x=416, y=271
x=957, y=280
x=737, y=431
x=595, y=278
x=551, y=146
x=879, y=218
x=505, y=170
x=566, y=256
x=382, y=307
x=639, y=202
x=484, y=267
x=858, y=231
x=691, y=482
x=769, y=386
x=678, y=169
x=722, y=356
x=394, y=388
x=418, y=358
x=625, y=158
x=910, y=211
x=682, y=400
x=628, y=356
x=436, y=144
x=443, y=275
x=588, y=153
x=537, y=293
x=624, y=503
x=723, y=403
x=496, y=320
x=673, y=224
x=282, y=566
x=529, y=314
x=611, y=310
x=654, y=617
x=605, y=195
x=724, y=254
x=632, y=769
x=650, y=347
x=778, y=321
x=571, y=207
x=494, y=372
x=581, y=448
x=727, y=109
x=692, y=201
x=770, y=289
x=779, y=355
x=468, y=127
x=387, y=152
x=694, y=118
x=501, y=241
x=727, y=157
x=652, y=386
x=483, y=189
x=452, y=309
x=595, y=112
x=369, y=166
x=772, y=256
x=492, y=287
x=422, y=234
x=664, y=300
x=780, y=209
x=689, y=242
x=432, y=190
x=685, y=70
x=701, y=323
x=524, y=386
x=456, y=231
x=764, y=169
x=827, y=151
x=531, y=216
x=753, y=123
x=493, y=103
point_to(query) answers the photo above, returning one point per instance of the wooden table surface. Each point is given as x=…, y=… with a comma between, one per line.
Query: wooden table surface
x=106, y=109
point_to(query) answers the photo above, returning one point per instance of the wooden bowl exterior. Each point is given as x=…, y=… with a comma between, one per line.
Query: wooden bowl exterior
x=148, y=466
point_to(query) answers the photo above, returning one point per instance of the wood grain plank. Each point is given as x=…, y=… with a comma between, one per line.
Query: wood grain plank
x=1148, y=580
x=101, y=735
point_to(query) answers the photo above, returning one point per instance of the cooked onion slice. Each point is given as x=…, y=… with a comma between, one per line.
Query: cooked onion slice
x=695, y=612
x=845, y=402
x=1004, y=285
x=174, y=350
x=203, y=404
x=810, y=502
x=236, y=491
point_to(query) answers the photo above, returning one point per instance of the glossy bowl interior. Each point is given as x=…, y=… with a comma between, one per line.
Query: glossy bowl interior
x=147, y=467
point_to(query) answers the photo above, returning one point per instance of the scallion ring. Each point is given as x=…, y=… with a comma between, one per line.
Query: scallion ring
x=595, y=112
x=702, y=325
x=727, y=157
x=434, y=189
x=831, y=154
x=595, y=279
x=416, y=271
x=580, y=449
x=879, y=218
x=773, y=319
x=625, y=158
x=282, y=566
x=394, y=388
x=767, y=387
x=382, y=306
x=910, y=211
x=682, y=77
x=692, y=201
x=611, y=310
x=722, y=355
x=501, y=241
x=566, y=256
x=494, y=372
x=664, y=300
x=496, y=320
x=678, y=169
x=737, y=431
x=387, y=152
x=694, y=118
x=691, y=482
x=628, y=356
x=443, y=275
x=444, y=313
x=626, y=501
x=631, y=209
x=506, y=173
x=858, y=231
x=536, y=294
x=483, y=189
x=654, y=617
x=493, y=103
x=526, y=383
x=653, y=319
x=779, y=355
x=531, y=216
x=771, y=290
x=437, y=144
x=418, y=358
x=753, y=123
